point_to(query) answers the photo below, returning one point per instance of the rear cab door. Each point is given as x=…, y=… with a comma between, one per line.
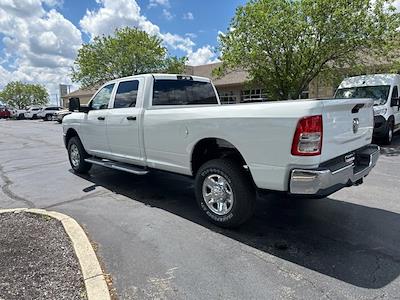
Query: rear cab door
x=124, y=121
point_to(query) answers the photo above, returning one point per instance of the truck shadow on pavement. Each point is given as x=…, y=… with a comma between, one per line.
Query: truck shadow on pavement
x=356, y=244
x=394, y=148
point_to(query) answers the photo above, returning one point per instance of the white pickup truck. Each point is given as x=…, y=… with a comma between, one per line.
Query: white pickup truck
x=177, y=124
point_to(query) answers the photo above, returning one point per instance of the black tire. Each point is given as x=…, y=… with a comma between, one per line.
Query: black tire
x=21, y=117
x=387, y=139
x=78, y=164
x=48, y=118
x=241, y=186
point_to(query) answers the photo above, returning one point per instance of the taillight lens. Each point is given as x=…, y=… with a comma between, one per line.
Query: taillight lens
x=307, y=140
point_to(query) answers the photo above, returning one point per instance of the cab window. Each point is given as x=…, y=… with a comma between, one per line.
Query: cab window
x=126, y=94
x=183, y=92
x=100, y=101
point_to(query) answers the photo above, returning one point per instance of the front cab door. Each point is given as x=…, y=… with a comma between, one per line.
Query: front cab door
x=95, y=133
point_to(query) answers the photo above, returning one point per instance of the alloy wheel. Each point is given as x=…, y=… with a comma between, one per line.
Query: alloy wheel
x=218, y=194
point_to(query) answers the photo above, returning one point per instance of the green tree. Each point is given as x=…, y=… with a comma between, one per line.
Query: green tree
x=129, y=51
x=21, y=95
x=284, y=44
x=174, y=65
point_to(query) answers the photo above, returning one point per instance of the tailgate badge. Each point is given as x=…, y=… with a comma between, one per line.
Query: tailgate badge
x=356, y=125
x=349, y=158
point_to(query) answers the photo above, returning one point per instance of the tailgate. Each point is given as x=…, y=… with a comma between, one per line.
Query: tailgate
x=347, y=125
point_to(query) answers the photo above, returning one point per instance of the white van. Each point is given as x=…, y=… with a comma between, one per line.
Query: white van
x=384, y=89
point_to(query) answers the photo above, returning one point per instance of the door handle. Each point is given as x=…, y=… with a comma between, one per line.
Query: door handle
x=131, y=118
x=101, y=118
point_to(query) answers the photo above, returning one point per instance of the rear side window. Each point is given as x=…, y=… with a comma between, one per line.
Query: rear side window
x=183, y=92
x=126, y=94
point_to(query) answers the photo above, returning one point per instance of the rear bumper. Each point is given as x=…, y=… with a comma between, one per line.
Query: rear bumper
x=333, y=176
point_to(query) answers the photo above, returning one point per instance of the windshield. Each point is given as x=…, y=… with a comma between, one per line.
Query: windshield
x=379, y=93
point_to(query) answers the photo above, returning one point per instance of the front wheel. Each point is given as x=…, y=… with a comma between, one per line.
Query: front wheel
x=77, y=156
x=225, y=193
x=48, y=118
x=387, y=140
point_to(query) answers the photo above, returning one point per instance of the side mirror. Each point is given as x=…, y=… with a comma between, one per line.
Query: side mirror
x=74, y=104
x=84, y=108
x=395, y=101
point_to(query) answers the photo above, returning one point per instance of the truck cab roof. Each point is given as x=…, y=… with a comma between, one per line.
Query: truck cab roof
x=161, y=76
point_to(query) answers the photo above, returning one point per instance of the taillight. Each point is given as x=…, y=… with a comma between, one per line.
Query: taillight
x=307, y=140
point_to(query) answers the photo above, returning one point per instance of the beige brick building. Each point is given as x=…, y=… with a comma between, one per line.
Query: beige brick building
x=84, y=96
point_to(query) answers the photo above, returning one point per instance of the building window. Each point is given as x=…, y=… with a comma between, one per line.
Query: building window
x=227, y=98
x=305, y=94
x=256, y=95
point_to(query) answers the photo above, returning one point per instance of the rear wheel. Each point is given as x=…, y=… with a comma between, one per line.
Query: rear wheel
x=225, y=193
x=77, y=156
x=387, y=140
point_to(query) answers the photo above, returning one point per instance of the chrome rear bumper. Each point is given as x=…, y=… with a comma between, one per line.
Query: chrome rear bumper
x=330, y=178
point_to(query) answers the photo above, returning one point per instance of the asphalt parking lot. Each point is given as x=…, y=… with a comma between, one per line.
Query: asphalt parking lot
x=154, y=242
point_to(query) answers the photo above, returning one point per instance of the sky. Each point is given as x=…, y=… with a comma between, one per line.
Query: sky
x=39, y=39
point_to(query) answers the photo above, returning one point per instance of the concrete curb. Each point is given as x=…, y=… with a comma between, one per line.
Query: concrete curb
x=95, y=282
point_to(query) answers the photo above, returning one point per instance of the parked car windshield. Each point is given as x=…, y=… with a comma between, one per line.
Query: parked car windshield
x=379, y=93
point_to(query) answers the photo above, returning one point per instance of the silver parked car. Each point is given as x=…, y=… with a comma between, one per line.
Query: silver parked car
x=59, y=116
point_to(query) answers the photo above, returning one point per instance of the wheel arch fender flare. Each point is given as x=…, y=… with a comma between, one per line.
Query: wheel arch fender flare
x=71, y=132
x=208, y=143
